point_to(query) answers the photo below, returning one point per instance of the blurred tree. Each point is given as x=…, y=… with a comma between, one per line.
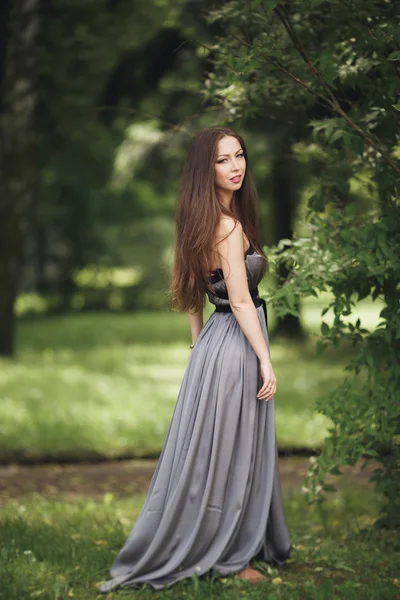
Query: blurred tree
x=113, y=83
x=80, y=46
x=18, y=98
x=118, y=95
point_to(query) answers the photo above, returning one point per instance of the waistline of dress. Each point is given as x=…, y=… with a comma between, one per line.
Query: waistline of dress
x=257, y=302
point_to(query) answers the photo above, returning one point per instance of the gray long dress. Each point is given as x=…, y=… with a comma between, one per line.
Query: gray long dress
x=214, y=502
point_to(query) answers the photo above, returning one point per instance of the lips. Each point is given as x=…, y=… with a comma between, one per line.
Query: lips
x=236, y=179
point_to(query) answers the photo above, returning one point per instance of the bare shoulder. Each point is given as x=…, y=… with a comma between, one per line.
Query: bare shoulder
x=226, y=226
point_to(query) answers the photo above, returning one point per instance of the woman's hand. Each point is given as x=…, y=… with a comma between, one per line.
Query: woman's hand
x=268, y=388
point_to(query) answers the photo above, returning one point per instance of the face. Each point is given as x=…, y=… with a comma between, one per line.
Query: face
x=230, y=164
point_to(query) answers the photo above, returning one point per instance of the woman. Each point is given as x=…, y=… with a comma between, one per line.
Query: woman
x=214, y=502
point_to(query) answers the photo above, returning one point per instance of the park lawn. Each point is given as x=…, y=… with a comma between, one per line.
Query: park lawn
x=63, y=549
x=104, y=385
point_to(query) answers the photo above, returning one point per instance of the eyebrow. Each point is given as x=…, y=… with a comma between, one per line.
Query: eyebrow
x=240, y=150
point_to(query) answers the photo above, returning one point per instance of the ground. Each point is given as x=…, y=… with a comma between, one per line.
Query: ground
x=61, y=527
x=124, y=477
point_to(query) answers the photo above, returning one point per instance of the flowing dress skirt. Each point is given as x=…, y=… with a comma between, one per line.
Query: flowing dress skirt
x=214, y=502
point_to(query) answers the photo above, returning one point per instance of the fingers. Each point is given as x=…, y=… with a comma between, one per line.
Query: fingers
x=268, y=390
x=267, y=395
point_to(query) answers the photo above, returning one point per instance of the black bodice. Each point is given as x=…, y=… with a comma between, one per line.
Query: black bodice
x=255, y=269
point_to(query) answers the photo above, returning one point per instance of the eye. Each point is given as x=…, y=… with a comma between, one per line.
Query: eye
x=221, y=160
x=240, y=155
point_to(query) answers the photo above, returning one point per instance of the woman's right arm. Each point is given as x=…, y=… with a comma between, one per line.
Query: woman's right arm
x=233, y=265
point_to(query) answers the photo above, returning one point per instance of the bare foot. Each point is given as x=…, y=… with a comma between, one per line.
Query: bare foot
x=250, y=574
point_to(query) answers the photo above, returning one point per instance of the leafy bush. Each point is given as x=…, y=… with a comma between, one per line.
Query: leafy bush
x=354, y=257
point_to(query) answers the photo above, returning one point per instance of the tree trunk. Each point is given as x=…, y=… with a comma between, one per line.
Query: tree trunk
x=18, y=99
x=286, y=200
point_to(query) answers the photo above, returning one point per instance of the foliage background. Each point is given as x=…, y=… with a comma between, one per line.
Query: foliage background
x=98, y=104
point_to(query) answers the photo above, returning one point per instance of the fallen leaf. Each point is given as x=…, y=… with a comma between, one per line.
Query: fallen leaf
x=298, y=546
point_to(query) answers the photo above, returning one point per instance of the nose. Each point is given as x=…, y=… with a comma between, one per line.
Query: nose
x=235, y=166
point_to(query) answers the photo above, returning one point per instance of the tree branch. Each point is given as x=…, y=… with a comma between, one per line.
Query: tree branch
x=332, y=101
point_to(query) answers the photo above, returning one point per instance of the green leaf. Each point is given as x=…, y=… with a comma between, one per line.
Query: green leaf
x=327, y=487
x=394, y=55
x=325, y=328
x=335, y=471
x=325, y=59
x=369, y=359
x=290, y=298
x=396, y=106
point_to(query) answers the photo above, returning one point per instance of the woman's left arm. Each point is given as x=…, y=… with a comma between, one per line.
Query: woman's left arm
x=196, y=324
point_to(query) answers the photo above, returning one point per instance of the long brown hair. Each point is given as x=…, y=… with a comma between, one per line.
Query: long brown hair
x=198, y=212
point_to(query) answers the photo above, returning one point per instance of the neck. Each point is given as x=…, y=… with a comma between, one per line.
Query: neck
x=226, y=198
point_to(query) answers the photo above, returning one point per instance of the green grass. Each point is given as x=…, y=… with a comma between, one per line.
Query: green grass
x=59, y=550
x=106, y=384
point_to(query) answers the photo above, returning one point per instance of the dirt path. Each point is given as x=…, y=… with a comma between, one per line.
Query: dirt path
x=129, y=477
